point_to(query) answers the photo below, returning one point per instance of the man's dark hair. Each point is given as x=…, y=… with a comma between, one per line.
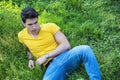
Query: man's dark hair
x=28, y=13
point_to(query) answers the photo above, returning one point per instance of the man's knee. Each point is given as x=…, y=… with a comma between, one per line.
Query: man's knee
x=84, y=47
x=83, y=51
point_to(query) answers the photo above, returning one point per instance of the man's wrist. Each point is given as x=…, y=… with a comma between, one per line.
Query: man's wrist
x=47, y=56
x=30, y=58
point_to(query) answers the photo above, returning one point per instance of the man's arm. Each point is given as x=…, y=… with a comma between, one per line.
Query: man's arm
x=30, y=57
x=63, y=44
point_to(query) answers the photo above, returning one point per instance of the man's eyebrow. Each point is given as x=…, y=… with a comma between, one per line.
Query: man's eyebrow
x=33, y=23
x=29, y=24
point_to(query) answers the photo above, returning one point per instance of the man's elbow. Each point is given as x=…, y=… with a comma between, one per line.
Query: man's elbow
x=68, y=46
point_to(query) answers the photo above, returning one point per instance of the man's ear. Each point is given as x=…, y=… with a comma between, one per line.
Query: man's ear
x=23, y=23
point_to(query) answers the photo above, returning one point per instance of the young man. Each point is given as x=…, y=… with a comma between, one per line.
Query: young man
x=51, y=48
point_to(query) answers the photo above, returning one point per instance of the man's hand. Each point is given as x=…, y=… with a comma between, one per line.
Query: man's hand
x=41, y=60
x=31, y=64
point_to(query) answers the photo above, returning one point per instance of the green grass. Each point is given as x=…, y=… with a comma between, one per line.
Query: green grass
x=91, y=22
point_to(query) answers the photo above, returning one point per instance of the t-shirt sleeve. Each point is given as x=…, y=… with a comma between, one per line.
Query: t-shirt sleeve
x=19, y=37
x=53, y=28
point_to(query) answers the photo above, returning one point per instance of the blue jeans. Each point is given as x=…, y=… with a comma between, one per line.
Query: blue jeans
x=69, y=60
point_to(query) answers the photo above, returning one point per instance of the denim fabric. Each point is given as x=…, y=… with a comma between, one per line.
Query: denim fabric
x=69, y=60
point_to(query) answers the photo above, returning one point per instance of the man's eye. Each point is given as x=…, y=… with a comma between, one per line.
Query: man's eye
x=35, y=22
x=29, y=24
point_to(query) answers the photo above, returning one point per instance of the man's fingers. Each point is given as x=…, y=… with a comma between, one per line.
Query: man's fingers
x=38, y=62
x=31, y=66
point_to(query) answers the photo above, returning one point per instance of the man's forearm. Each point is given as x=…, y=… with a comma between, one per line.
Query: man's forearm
x=61, y=48
x=29, y=55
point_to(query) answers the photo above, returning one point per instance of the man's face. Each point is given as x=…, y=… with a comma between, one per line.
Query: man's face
x=32, y=25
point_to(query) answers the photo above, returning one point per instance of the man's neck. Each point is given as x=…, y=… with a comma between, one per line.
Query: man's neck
x=34, y=34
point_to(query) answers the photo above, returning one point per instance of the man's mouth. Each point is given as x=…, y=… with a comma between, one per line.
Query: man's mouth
x=34, y=30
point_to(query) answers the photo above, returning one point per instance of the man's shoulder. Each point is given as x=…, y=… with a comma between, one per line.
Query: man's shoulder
x=47, y=24
x=22, y=32
x=50, y=27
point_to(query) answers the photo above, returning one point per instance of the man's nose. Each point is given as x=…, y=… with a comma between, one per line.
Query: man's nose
x=34, y=25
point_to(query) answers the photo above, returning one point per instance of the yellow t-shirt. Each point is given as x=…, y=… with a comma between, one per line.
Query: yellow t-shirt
x=44, y=43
